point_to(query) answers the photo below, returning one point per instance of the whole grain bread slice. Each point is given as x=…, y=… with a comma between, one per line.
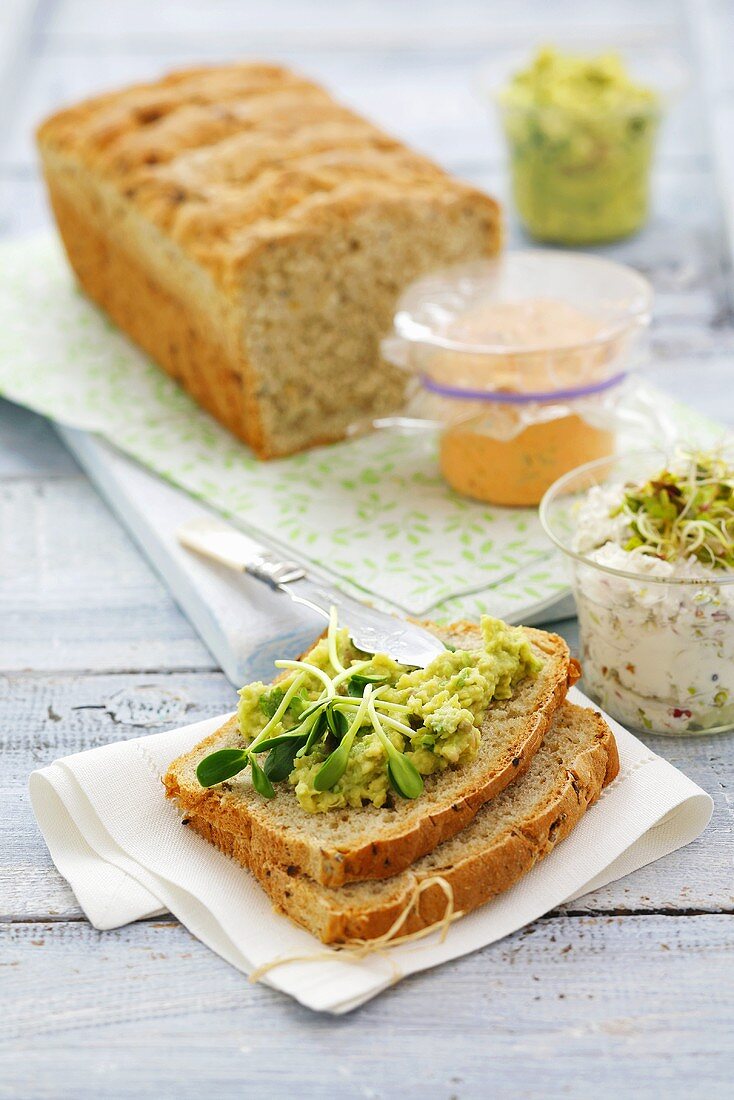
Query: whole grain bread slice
x=342, y=846
x=507, y=837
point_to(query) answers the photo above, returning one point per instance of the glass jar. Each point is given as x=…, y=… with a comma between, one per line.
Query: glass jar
x=580, y=180
x=509, y=453
x=580, y=166
x=657, y=651
x=522, y=362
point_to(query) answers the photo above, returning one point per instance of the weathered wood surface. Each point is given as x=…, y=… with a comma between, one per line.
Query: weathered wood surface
x=601, y=1006
x=629, y=992
x=110, y=613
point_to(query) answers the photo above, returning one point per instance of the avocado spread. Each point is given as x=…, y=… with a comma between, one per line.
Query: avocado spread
x=581, y=134
x=344, y=728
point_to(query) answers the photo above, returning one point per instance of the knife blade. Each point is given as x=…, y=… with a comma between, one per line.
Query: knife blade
x=371, y=630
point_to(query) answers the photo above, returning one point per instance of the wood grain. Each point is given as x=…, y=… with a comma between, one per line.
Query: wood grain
x=570, y=1006
x=49, y=717
x=76, y=595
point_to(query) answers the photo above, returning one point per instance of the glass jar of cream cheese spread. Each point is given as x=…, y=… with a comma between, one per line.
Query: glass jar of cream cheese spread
x=523, y=363
x=650, y=541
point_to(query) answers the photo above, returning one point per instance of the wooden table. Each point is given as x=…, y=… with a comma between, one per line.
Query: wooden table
x=626, y=992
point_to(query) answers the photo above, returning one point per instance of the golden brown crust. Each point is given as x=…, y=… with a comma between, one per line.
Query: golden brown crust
x=197, y=356
x=378, y=856
x=474, y=880
x=224, y=161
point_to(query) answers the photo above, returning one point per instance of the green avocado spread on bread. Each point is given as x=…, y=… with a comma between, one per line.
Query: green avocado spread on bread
x=343, y=728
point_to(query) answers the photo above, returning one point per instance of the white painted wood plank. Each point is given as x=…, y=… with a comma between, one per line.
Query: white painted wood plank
x=425, y=97
x=711, y=26
x=16, y=23
x=369, y=23
x=43, y=717
x=49, y=717
x=74, y=593
x=569, y=1007
x=29, y=447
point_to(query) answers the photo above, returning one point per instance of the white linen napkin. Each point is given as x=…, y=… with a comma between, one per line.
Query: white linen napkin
x=125, y=853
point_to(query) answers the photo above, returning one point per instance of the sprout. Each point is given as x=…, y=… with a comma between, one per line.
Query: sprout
x=331, y=711
x=686, y=511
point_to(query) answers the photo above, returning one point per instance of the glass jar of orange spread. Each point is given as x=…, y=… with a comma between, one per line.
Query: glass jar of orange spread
x=518, y=471
x=522, y=363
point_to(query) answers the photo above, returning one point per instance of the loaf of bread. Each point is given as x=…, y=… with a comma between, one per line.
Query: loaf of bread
x=252, y=235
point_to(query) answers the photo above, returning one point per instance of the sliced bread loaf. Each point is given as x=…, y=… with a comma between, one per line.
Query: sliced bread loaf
x=350, y=845
x=253, y=235
x=507, y=837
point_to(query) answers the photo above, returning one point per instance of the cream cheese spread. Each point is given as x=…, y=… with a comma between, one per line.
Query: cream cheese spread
x=658, y=646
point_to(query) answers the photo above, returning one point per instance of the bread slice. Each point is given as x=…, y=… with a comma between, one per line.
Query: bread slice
x=252, y=235
x=507, y=837
x=350, y=845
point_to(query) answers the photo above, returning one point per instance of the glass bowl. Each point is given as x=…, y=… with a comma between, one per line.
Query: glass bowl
x=486, y=324
x=657, y=651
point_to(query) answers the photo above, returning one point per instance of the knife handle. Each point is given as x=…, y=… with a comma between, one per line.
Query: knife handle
x=228, y=546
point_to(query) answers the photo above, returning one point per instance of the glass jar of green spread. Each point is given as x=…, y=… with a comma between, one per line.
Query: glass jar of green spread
x=581, y=134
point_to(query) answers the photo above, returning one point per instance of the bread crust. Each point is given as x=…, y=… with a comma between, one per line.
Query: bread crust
x=376, y=856
x=475, y=879
x=193, y=353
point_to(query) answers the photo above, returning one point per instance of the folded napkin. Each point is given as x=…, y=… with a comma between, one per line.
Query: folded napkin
x=121, y=846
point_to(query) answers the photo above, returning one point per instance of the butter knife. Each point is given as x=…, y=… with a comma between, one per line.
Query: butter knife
x=371, y=630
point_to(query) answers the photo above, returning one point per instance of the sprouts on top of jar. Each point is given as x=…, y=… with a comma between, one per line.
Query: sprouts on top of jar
x=685, y=511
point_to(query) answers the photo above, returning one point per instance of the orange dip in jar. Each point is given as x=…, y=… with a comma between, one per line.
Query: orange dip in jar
x=520, y=361
x=517, y=472
x=512, y=453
